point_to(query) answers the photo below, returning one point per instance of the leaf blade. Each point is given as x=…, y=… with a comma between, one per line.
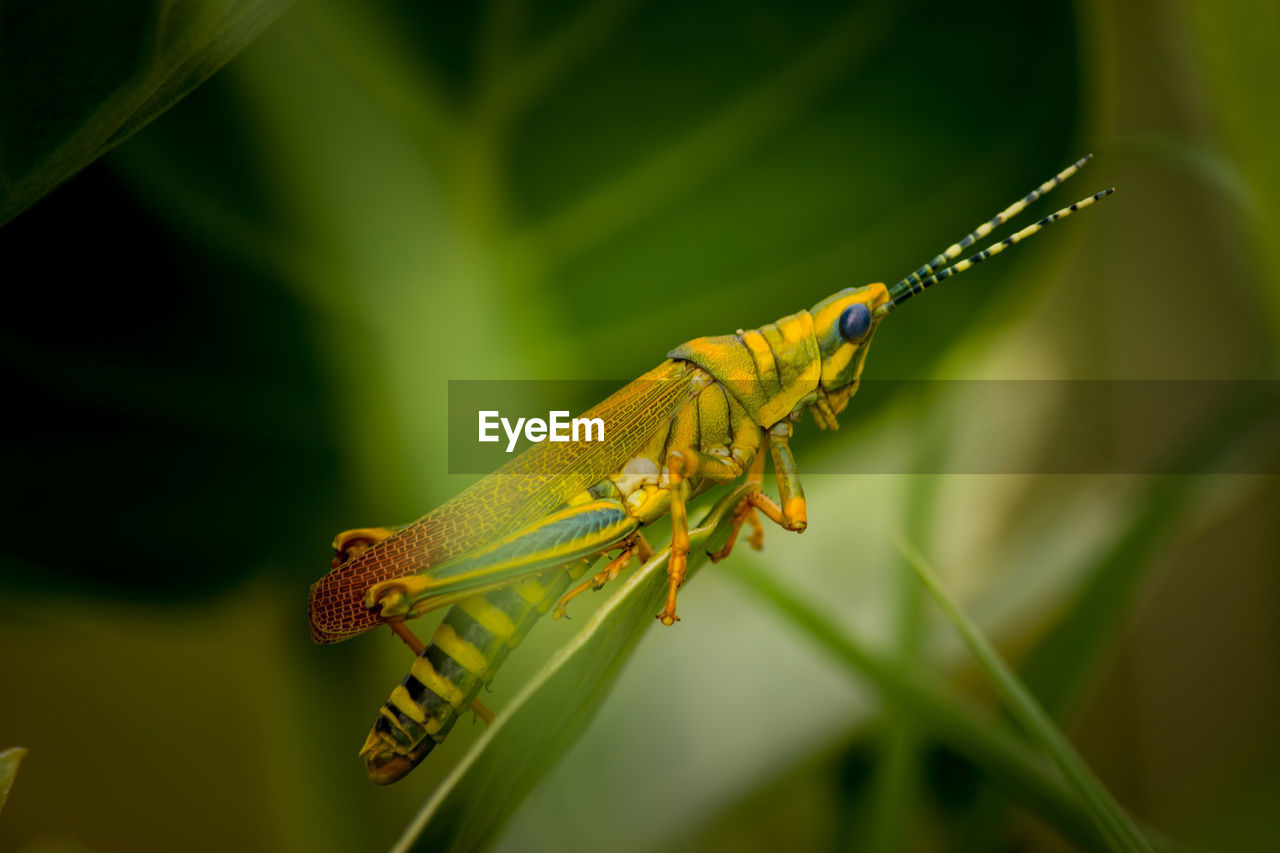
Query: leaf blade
x=473, y=803
x=1107, y=814
x=987, y=744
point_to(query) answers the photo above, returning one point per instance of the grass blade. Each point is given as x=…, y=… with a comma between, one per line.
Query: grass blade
x=1012, y=766
x=542, y=721
x=1106, y=813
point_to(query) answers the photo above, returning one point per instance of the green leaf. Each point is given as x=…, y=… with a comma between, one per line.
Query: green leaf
x=81, y=77
x=1011, y=765
x=9, y=761
x=541, y=722
x=898, y=790
x=1110, y=819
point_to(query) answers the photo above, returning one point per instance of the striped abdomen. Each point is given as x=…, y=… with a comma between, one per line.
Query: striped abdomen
x=466, y=650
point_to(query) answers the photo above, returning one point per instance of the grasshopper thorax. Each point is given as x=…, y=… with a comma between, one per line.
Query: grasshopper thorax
x=804, y=359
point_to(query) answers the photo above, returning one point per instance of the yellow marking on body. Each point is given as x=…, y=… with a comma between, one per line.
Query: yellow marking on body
x=497, y=622
x=796, y=330
x=836, y=363
x=436, y=683
x=636, y=501
x=580, y=498
x=880, y=295
x=532, y=590
x=649, y=504
x=779, y=407
x=762, y=355
x=467, y=655
x=391, y=718
x=789, y=351
x=796, y=351
x=411, y=709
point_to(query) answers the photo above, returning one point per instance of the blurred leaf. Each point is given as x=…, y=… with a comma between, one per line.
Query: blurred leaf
x=9, y=761
x=533, y=732
x=1009, y=763
x=1064, y=659
x=1236, y=47
x=56, y=844
x=81, y=77
x=1105, y=812
x=399, y=170
x=1061, y=662
x=899, y=783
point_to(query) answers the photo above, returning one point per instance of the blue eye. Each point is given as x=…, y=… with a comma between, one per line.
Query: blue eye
x=854, y=322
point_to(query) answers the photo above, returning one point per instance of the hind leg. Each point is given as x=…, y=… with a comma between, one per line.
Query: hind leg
x=559, y=538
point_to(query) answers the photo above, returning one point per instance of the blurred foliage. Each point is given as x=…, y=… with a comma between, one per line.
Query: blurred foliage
x=78, y=78
x=1231, y=46
x=1107, y=816
x=233, y=337
x=9, y=761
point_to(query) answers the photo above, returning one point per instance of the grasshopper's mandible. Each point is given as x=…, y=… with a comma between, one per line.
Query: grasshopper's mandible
x=508, y=548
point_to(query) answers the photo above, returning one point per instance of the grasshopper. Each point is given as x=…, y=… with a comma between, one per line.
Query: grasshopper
x=511, y=546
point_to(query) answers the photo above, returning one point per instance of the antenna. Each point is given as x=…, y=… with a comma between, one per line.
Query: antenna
x=910, y=285
x=905, y=289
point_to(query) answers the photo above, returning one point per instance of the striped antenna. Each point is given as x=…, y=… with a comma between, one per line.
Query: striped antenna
x=906, y=291
x=983, y=230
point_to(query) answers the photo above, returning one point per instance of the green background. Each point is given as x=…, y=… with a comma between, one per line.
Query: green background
x=231, y=337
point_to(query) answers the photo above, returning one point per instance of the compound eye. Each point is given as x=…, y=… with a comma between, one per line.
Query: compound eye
x=854, y=322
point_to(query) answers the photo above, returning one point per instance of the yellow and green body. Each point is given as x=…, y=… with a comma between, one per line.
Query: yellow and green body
x=506, y=550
